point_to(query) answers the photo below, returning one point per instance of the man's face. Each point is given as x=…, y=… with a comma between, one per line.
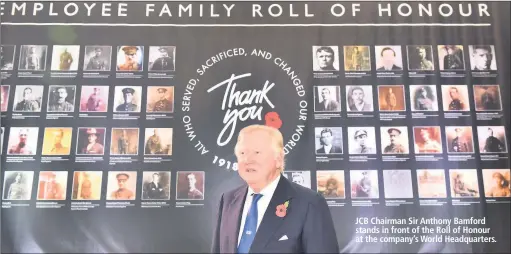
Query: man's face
x=130, y=57
x=92, y=138
x=326, y=138
x=388, y=57
x=23, y=136
x=425, y=134
x=454, y=94
x=357, y=96
x=62, y=95
x=482, y=58
x=325, y=59
x=490, y=133
x=58, y=137
x=394, y=135
x=449, y=51
x=458, y=133
x=128, y=97
x=121, y=181
x=156, y=178
x=32, y=50
x=257, y=161
x=163, y=53
x=18, y=178
x=27, y=94
x=161, y=94
x=98, y=53
x=424, y=93
x=155, y=132
x=325, y=94
x=361, y=139
x=192, y=180
x=422, y=53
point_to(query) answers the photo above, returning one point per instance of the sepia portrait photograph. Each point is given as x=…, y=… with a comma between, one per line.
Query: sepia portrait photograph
x=18, y=185
x=496, y=183
x=391, y=98
x=190, y=185
x=431, y=183
x=158, y=141
x=492, y=139
x=423, y=98
x=52, y=185
x=331, y=184
x=397, y=183
x=4, y=97
x=357, y=58
x=302, y=178
x=87, y=185
x=364, y=184
x=124, y=141
x=23, y=141
x=65, y=57
x=94, y=99
x=28, y=98
x=327, y=99
x=388, y=58
x=90, y=141
x=328, y=140
x=61, y=99
x=359, y=98
x=482, y=58
x=130, y=58
x=459, y=139
x=487, y=98
x=122, y=185
x=420, y=58
x=160, y=99
x=362, y=140
x=450, y=58
x=455, y=98
x=57, y=140
x=127, y=98
x=325, y=58
x=2, y=131
x=427, y=139
x=394, y=140
x=156, y=185
x=162, y=58
x=97, y=58
x=7, y=53
x=464, y=183
x=33, y=58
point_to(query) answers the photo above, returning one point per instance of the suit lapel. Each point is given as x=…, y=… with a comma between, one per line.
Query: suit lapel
x=234, y=218
x=271, y=222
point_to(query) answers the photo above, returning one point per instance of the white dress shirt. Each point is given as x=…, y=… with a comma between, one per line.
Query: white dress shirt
x=262, y=204
x=327, y=148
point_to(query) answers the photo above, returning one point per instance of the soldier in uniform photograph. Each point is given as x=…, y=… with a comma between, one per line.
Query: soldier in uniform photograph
x=499, y=186
x=326, y=142
x=362, y=145
x=394, y=147
x=154, y=189
x=28, y=103
x=51, y=189
x=456, y=102
x=164, y=62
x=4, y=97
x=363, y=188
x=331, y=188
x=58, y=147
x=452, y=58
x=92, y=147
x=461, y=188
x=191, y=192
x=420, y=60
x=154, y=145
x=58, y=102
x=388, y=56
x=7, y=57
x=123, y=143
x=94, y=102
x=427, y=144
x=16, y=189
x=32, y=60
x=458, y=144
x=163, y=104
x=482, y=58
x=424, y=99
x=489, y=99
x=128, y=105
x=130, y=59
x=325, y=57
x=98, y=62
x=122, y=193
x=22, y=147
x=86, y=187
x=66, y=59
x=493, y=144
x=356, y=100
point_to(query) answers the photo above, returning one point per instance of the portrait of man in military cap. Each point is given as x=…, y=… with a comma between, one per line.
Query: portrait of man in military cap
x=33, y=58
x=130, y=58
x=65, y=57
x=162, y=58
x=61, y=99
x=160, y=99
x=127, y=98
x=362, y=140
x=90, y=141
x=122, y=185
x=94, y=99
x=97, y=58
x=459, y=139
x=158, y=141
x=28, y=98
x=394, y=140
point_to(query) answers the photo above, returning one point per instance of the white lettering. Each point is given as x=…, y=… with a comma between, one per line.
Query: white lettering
x=334, y=12
x=256, y=8
x=89, y=8
x=441, y=10
x=355, y=8
x=121, y=11
x=22, y=8
x=381, y=10
x=66, y=9
x=148, y=9
x=483, y=8
x=279, y=9
x=401, y=12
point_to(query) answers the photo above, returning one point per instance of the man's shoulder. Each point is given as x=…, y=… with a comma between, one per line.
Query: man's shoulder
x=230, y=194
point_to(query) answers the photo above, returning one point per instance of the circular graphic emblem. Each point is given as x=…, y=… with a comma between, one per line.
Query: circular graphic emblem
x=240, y=87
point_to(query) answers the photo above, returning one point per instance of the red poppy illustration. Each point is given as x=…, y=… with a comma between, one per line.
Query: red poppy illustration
x=281, y=210
x=273, y=119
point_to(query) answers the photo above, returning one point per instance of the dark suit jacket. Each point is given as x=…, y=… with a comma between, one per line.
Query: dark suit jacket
x=334, y=149
x=394, y=68
x=308, y=223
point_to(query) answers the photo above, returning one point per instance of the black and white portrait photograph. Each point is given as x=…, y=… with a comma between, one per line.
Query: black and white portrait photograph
x=328, y=140
x=394, y=140
x=450, y=57
x=162, y=58
x=389, y=58
x=482, y=57
x=97, y=58
x=492, y=139
x=455, y=98
x=420, y=58
x=7, y=53
x=487, y=98
x=302, y=178
x=362, y=140
x=327, y=99
x=423, y=98
x=61, y=98
x=359, y=98
x=127, y=98
x=65, y=57
x=190, y=185
x=33, y=58
x=18, y=185
x=28, y=98
x=325, y=58
x=156, y=185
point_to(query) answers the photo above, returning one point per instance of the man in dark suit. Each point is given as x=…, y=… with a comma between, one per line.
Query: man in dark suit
x=327, y=103
x=270, y=214
x=388, y=63
x=326, y=142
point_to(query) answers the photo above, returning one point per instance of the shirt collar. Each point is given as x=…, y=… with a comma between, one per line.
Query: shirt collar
x=268, y=190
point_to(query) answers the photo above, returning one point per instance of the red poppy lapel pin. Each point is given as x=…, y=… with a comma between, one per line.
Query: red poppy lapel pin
x=282, y=209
